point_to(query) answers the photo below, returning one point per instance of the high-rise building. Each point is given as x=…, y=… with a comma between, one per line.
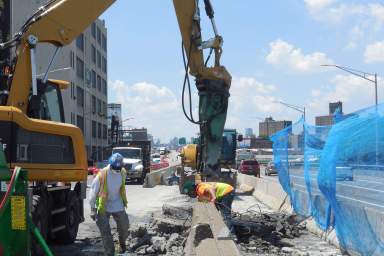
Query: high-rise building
x=333, y=106
x=329, y=119
x=84, y=64
x=248, y=132
x=270, y=126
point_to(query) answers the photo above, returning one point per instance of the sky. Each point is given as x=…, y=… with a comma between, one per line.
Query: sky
x=273, y=49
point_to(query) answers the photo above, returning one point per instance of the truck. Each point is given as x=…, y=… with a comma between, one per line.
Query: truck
x=133, y=162
x=162, y=150
x=135, y=147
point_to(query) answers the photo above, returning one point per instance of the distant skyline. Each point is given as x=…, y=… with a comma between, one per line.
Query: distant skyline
x=273, y=49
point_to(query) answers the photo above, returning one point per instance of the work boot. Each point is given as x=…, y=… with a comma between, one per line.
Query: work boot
x=123, y=248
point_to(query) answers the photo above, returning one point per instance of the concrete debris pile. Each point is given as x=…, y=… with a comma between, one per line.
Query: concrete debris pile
x=266, y=233
x=163, y=235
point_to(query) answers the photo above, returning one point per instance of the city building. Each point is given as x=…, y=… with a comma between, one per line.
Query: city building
x=329, y=119
x=84, y=64
x=260, y=143
x=335, y=106
x=248, y=133
x=270, y=126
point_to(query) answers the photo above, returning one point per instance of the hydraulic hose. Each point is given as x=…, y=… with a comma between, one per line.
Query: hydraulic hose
x=35, y=231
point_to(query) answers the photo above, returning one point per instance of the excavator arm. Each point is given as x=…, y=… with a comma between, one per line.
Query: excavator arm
x=61, y=21
x=213, y=84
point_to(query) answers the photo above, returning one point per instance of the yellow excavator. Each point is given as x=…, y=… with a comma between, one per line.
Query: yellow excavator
x=33, y=131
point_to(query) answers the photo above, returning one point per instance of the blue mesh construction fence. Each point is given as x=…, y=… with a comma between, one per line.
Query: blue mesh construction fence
x=335, y=174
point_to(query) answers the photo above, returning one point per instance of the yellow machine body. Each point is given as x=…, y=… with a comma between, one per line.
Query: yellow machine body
x=189, y=156
x=75, y=171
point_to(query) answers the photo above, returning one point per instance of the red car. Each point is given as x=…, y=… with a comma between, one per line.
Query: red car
x=92, y=170
x=250, y=167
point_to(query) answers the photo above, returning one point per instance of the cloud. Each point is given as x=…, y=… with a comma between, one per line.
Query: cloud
x=249, y=95
x=334, y=11
x=364, y=21
x=251, y=100
x=377, y=12
x=317, y=5
x=356, y=34
x=374, y=52
x=155, y=107
x=354, y=92
x=285, y=56
x=158, y=108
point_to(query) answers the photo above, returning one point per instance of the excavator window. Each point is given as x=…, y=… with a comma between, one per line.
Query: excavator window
x=50, y=104
x=228, y=148
x=47, y=105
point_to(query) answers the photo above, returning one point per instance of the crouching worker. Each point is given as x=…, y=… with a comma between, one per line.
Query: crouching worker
x=221, y=194
x=108, y=197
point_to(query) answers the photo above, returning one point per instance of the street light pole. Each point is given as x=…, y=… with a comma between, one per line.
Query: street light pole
x=359, y=73
x=297, y=108
x=364, y=75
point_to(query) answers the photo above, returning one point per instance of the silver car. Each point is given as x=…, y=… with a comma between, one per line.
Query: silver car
x=270, y=169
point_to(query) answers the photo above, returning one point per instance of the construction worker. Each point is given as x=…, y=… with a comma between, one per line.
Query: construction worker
x=221, y=194
x=108, y=198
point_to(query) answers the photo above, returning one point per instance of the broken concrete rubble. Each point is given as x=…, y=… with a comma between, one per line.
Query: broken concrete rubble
x=262, y=234
x=163, y=235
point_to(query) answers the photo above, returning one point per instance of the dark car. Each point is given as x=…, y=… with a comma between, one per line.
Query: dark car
x=270, y=169
x=250, y=167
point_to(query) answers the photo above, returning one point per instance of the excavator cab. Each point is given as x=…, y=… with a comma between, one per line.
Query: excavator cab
x=40, y=140
x=48, y=103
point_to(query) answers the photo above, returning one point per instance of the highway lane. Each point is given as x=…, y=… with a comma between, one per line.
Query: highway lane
x=363, y=189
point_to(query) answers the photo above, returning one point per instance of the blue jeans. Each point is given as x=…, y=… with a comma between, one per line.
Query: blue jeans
x=224, y=205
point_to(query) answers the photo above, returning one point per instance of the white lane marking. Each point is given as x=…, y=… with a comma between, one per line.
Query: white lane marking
x=351, y=199
x=347, y=185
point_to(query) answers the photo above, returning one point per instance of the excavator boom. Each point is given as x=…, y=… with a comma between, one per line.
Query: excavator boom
x=59, y=22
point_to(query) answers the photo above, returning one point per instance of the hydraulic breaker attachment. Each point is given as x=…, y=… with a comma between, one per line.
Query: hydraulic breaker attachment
x=213, y=107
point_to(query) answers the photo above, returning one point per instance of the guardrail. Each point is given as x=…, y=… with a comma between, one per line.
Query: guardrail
x=159, y=177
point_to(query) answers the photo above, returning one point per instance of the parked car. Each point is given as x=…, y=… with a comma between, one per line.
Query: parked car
x=250, y=167
x=270, y=169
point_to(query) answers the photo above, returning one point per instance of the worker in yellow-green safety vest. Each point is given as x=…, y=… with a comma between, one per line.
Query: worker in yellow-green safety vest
x=108, y=197
x=221, y=194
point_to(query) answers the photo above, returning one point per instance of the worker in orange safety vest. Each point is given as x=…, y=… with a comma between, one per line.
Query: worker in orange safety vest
x=221, y=194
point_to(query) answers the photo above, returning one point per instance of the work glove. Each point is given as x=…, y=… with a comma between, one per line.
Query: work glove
x=93, y=214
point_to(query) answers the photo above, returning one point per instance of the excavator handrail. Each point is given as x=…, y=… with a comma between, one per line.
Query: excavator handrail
x=11, y=187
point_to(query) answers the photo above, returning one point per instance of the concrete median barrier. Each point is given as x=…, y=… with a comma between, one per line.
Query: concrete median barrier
x=209, y=235
x=159, y=177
